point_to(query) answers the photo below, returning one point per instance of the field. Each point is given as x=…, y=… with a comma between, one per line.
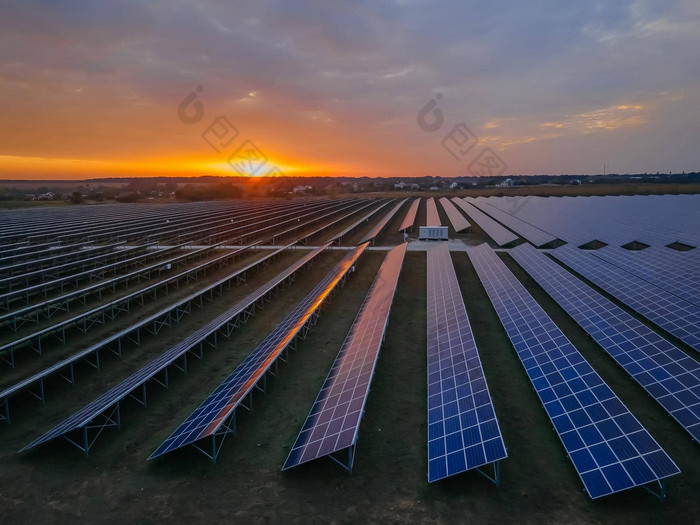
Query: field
x=57, y=484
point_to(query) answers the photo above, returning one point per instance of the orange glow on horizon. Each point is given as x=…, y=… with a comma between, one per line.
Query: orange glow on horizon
x=40, y=168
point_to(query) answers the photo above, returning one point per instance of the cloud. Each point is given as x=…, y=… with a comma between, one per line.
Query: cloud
x=340, y=83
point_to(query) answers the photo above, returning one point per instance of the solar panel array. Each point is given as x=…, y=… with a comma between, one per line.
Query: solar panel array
x=498, y=233
x=379, y=227
x=533, y=234
x=459, y=223
x=159, y=318
x=463, y=432
x=361, y=221
x=667, y=373
x=432, y=217
x=101, y=404
x=334, y=420
x=213, y=412
x=410, y=217
x=607, y=445
x=662, y=271
x=675, y=315
x=657, y=220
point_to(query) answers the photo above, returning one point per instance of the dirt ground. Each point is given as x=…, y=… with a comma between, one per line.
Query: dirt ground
x=56, y=483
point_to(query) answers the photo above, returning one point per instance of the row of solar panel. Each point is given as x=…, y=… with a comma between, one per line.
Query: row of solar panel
x=37, y=312
x=95, y=409
x=607, y=445
x=484, y=430
x=657, y=220
x=667, y=373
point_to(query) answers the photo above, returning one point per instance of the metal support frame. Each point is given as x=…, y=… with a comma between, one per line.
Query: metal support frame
x=661, y=493
x=111, y=419
x=218, y=437
x=350, y=459
x=5, y=410
x=494, y=478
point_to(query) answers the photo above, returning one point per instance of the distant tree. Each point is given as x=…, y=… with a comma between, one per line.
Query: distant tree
x=332, y=191
x=76, y=197
x=127, y=197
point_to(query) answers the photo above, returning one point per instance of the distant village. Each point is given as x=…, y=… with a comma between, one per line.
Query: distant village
x=212, y=188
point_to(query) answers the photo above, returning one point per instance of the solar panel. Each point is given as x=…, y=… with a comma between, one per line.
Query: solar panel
x=410, y=217
x=334, y=420
x=374, y=232
x=609, y=448
x=617, y=220
x=459, y=223
x=498, y=233
x=432, y=216
x=667, y=373
x=675, y=315
x=164, y=317
x=213, y=413
x=463, y=432
x=533, y=234
x=100, y=407
x=664, y=272
x=362, y=220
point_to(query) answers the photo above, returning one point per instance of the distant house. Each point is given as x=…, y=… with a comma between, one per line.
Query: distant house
x=48, y=196
x=399, y=185
x=454, y=186
x=302, y=189
x=506, y=183
x=434, y=188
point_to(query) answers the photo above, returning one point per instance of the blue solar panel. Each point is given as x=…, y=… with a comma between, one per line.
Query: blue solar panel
x=668, y=374
x=664, y=272
x=498, y=233
x=675, y=315
x=463, y=432
x=609, y=448
x=211, y=415
x=99, y=406
x=334, y=419
x=531, y=233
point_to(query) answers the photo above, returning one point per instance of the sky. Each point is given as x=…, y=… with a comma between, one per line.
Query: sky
x=378, y=88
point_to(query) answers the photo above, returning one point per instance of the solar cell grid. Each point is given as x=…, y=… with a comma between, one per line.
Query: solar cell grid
x=362, y=220
x=432, y=217
x=374, y=232
x=675, y=315
x=533, y=234
x=463, y=432
x=664, y=272
x=92, y=410
x=668, y=374
x=334, y=419
x=607, y=445
x=617, y=220
x=410, y=217
x=498, y=233
x=459, y=223
x=212, y=413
